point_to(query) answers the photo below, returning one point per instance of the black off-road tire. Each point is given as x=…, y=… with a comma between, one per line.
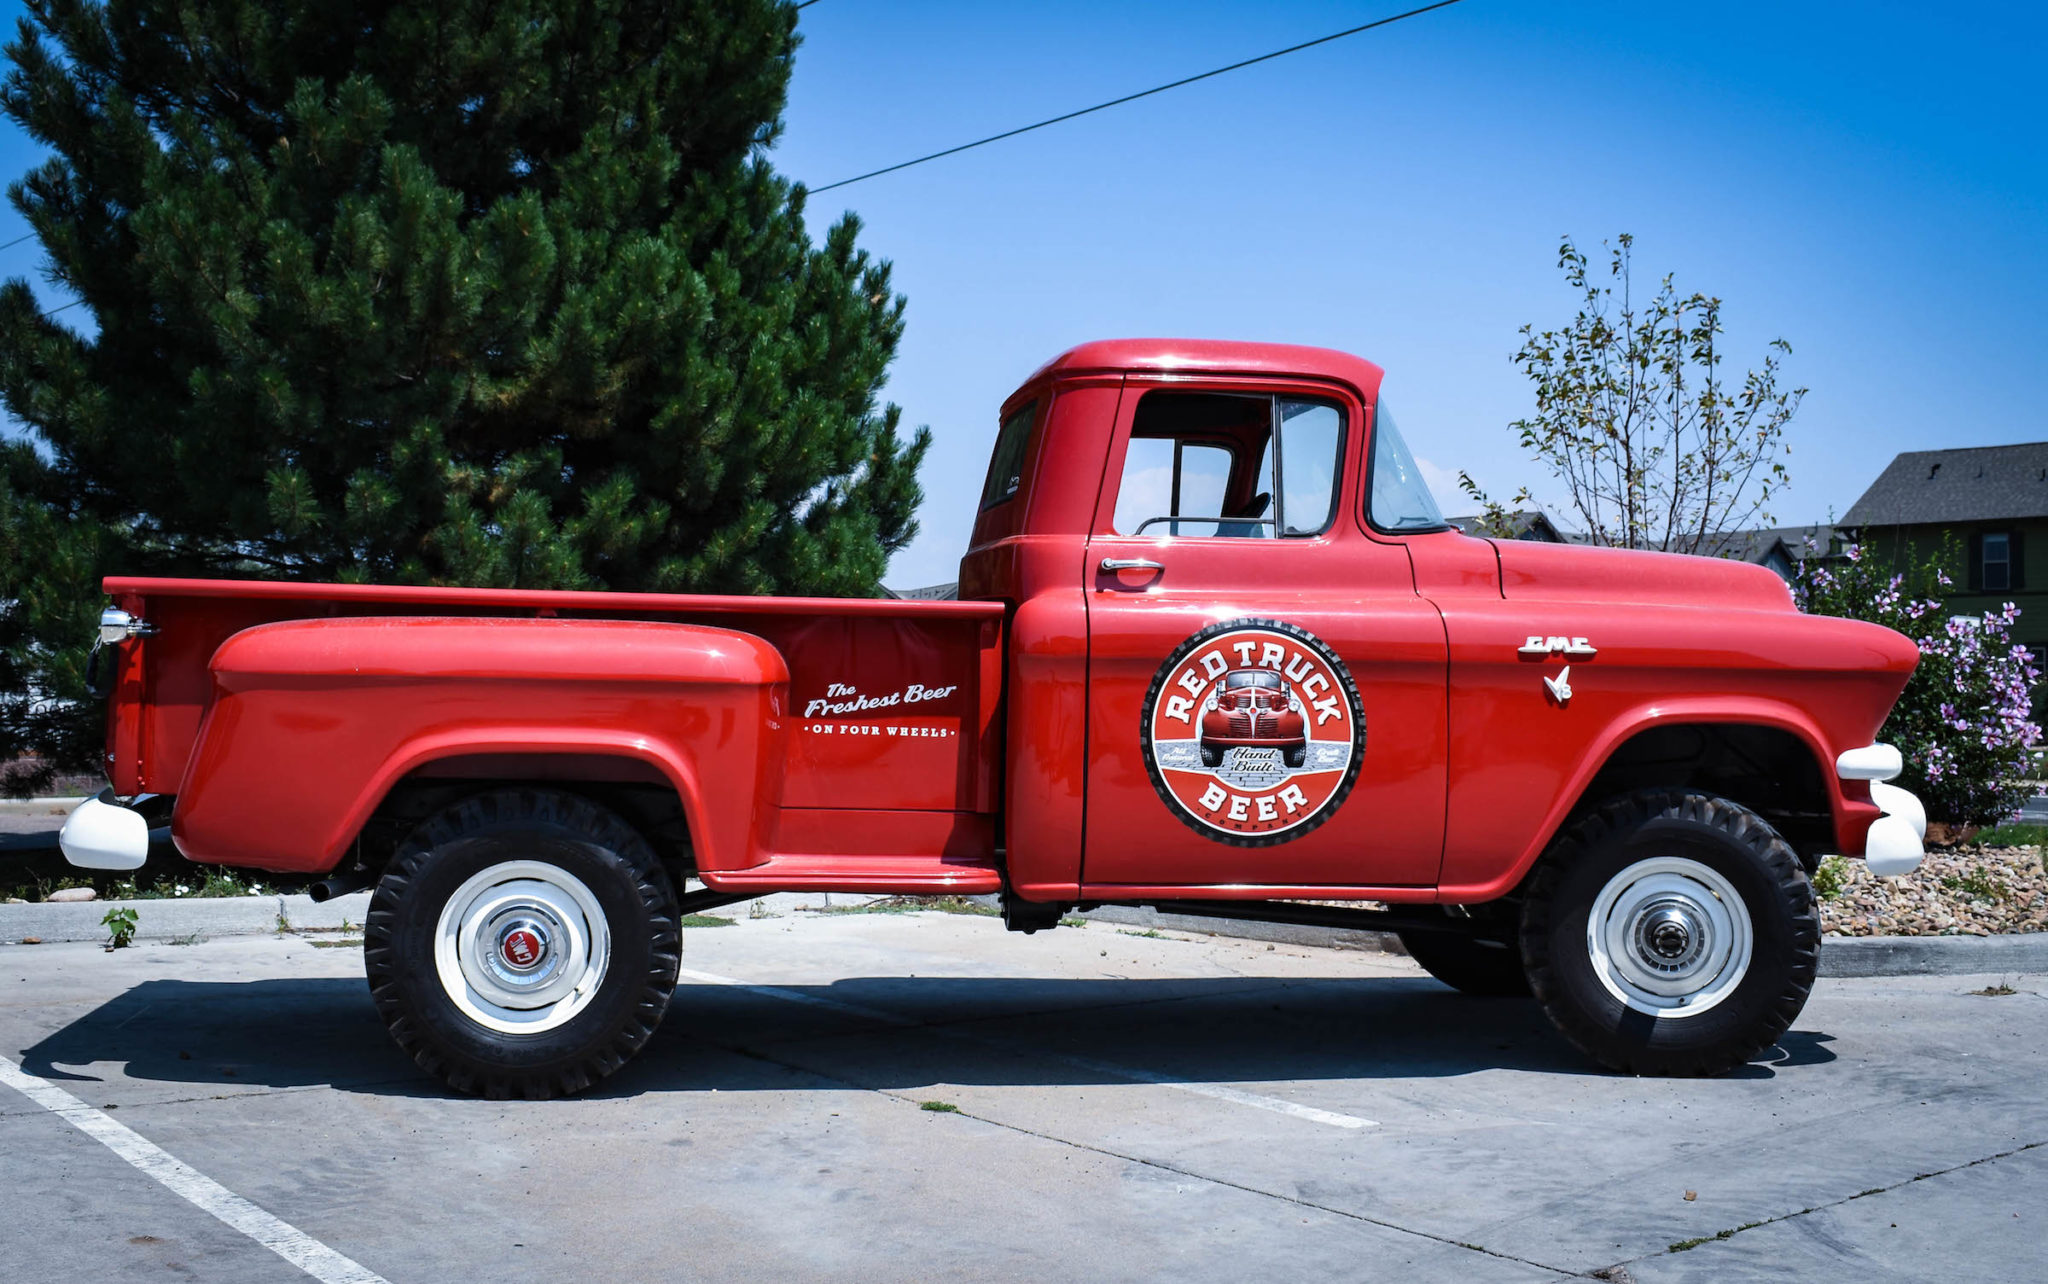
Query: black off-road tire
x=1729, y=839
x=621, y=872
x=1468, y=964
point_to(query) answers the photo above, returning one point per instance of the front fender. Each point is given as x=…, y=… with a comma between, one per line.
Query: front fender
x=312, y=722
x=1472, y=875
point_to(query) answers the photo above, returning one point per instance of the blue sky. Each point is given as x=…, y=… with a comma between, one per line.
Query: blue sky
x=1868, y=181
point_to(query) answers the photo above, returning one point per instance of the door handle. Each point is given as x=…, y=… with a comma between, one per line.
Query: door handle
x=1111, y=565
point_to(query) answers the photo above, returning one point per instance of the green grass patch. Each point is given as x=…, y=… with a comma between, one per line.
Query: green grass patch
x=705, y=920
x=2018, y=834
x=32, y=876
x=1684, y=1244
x=346, y=943
x=1073, y=920
x=1978, y=883
x=1832, y=878
x=1149, y=934
x=939, y=1107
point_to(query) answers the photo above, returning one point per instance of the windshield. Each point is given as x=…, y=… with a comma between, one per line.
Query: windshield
x=1270, y=681
x=1400, y=498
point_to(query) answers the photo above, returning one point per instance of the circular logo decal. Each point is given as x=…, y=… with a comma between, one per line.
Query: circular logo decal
x=1253, y=732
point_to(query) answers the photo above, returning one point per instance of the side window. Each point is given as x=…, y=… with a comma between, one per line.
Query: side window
x=1006, y=468
x=1230, y=465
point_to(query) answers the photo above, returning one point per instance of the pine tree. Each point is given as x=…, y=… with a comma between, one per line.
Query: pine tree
x=496, y=292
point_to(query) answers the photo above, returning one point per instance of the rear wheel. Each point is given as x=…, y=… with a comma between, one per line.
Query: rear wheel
x=1468, y=964
x=522, y=943
x=1671, y=932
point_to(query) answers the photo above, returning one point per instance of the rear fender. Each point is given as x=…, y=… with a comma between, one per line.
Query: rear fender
x=313, y=722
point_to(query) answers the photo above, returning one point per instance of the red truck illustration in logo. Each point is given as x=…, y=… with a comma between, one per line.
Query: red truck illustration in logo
x=1254, y=708
x=1253, y=732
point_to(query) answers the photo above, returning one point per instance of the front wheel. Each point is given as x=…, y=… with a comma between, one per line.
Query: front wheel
x=1671, y=932
x=522, y=943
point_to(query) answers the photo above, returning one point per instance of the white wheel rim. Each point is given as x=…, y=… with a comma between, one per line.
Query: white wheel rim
x=1670, y=937
x=522, y=947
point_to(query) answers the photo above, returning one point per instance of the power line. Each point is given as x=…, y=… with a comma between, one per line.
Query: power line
x=6, y=245
x=1127, y=98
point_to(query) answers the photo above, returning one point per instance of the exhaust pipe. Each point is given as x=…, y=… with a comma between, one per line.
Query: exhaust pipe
x=339, y=883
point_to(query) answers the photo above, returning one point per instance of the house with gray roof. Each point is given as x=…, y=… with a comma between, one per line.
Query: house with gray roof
x=1987, y=506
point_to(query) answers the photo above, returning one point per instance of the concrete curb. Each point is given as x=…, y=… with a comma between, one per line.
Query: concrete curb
x=38, y=806
x=2023, y=952
x=52, y=807
x=189, y=918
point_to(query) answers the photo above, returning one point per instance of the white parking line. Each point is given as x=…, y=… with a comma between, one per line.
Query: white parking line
x=181, y=1179
x=1220, y=1092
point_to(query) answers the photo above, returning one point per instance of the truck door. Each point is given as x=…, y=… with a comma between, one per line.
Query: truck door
x=1266, y=689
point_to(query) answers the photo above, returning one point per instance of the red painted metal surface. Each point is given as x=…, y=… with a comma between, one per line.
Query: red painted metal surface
x=877, y=745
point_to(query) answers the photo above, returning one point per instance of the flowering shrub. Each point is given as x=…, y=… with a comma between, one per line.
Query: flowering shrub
x=1964, y=721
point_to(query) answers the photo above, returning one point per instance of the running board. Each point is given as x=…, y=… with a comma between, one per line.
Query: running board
x=1363, y=920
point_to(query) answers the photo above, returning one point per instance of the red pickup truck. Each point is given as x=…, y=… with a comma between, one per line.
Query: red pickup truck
x=1602, y=777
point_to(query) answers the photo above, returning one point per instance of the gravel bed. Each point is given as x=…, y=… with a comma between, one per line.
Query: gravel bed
x=1957, y=891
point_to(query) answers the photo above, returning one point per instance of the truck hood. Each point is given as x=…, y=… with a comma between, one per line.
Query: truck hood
x=1532, y=571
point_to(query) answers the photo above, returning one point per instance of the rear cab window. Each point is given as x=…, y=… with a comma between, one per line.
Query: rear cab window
x=1006, y=466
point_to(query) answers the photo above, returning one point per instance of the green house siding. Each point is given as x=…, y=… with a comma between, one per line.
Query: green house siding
x=1896, y=545
x=1900, y=546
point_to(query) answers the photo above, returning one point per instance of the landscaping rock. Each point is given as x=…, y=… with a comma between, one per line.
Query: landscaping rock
x=1959, y=891
x=69, y=895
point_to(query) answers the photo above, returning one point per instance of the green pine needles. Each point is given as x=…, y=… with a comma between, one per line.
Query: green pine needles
x=498, y=292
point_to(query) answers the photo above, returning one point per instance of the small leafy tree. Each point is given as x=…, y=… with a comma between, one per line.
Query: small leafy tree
x=1963, y=722
x=1637, y=421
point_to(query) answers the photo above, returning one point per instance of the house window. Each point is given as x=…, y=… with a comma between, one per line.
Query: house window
x=1995, y=571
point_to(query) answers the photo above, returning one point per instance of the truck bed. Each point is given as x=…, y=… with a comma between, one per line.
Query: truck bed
x=888, y=723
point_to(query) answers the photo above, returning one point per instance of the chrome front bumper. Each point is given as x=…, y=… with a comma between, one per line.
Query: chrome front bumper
x=1894, y=844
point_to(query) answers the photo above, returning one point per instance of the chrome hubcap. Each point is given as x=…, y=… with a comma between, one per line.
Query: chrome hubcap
x=522, y=947
x=1669, y=936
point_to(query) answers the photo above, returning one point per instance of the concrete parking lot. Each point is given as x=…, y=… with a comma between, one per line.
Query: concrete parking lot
x=1123, y=1107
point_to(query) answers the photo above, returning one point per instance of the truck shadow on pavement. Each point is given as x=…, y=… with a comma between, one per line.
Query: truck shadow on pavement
x=871, y=1032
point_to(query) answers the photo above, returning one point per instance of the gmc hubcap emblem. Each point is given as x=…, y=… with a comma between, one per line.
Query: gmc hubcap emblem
x=523, y=947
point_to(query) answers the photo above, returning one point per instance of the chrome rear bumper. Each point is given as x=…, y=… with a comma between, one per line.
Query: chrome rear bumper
x=102, y=834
